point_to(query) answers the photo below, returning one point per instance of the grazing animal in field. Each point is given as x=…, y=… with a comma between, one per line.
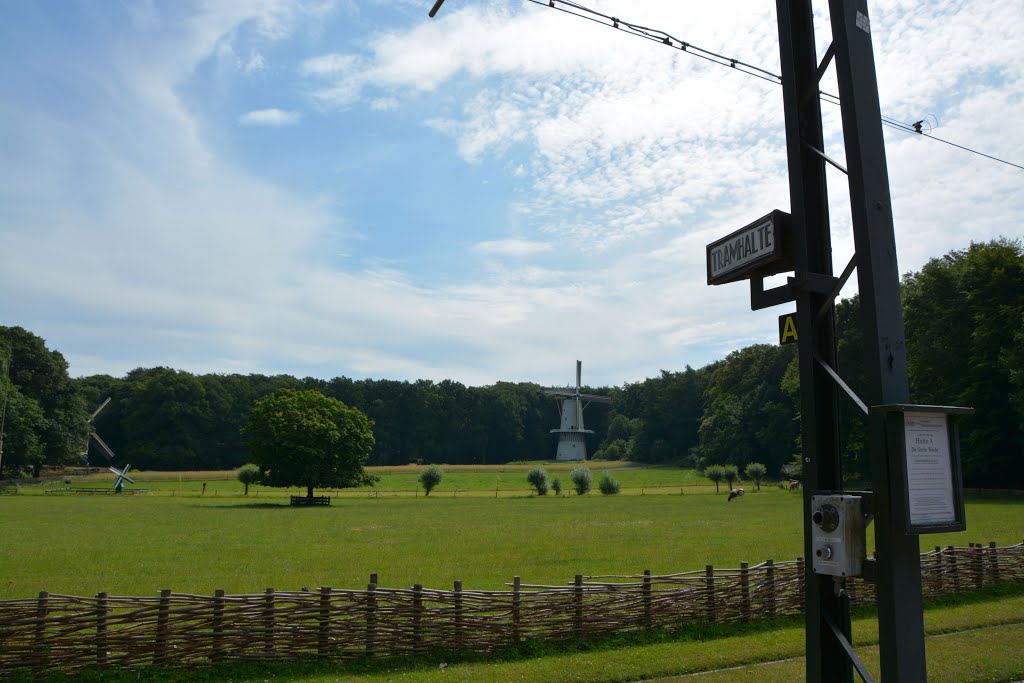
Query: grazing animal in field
x=794, y=486
x=735, y=493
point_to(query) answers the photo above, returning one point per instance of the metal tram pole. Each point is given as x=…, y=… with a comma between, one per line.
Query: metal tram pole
x=812, y=279
x=900, y=616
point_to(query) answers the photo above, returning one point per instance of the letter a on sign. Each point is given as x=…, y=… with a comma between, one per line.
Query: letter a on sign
x=787, y=329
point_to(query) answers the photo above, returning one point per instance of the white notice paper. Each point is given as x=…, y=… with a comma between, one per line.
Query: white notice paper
x=929, y=472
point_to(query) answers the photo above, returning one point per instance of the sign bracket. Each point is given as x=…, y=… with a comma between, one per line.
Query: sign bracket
x=766, y=298
x=812, y=283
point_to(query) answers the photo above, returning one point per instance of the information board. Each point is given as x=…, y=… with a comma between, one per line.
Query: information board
x=929, y=469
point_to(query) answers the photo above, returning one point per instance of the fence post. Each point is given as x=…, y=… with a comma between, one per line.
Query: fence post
x=268, y=621
x=458, y=615
x=647, y=598
x=993, y=562
x=324, y=625
x=40, y=648
x=938, y=569
x=709, y=580
x=954, y=570
x=769, y=579
x=577, y=600
x=801, y=580
x=979, y=565
x=517, y=614
x=162, y=621
x=101, y=628
x=371, y=617
x=745, y=610
x=417, y=615
x=218, y=624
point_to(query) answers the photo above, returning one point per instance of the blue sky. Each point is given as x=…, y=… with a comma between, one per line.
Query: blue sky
x=346, y=187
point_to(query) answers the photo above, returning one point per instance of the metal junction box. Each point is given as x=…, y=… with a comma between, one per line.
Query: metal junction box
x=838, y=531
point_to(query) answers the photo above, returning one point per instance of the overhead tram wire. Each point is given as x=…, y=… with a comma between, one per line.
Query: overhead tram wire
x=658, y=36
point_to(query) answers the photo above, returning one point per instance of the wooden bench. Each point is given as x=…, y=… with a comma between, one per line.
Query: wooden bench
x=315, y=500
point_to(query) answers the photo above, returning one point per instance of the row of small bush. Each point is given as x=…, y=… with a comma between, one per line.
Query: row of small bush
x=581, y=479
x=755, y=471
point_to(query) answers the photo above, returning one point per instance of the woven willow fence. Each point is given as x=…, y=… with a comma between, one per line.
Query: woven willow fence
x=62, y=633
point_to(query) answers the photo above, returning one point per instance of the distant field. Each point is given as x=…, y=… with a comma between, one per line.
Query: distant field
x=79, y=544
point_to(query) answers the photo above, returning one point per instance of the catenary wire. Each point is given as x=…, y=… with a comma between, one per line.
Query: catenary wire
x=658, y=36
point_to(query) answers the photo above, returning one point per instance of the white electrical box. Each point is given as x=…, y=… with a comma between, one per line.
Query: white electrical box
x=838, y=532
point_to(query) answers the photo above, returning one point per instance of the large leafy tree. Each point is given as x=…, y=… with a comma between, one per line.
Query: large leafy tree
x=41, y=377
x=167, y=416
x=747, y=414
x=964, y=314
x=303, y=438
x=666, y=411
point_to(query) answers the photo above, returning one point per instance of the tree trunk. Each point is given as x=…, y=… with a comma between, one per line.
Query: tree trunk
x=309, y=492
x=246, y=489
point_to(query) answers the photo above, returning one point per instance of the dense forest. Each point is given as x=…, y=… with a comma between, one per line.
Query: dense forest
x=964, y=315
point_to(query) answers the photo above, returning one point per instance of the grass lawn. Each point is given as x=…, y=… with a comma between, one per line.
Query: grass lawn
x=137, y=545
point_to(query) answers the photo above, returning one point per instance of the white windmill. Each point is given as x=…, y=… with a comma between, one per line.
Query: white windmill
x=104, y=448
x=572, y=437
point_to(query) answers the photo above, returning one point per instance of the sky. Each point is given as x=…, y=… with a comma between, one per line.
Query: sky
x=350, y=188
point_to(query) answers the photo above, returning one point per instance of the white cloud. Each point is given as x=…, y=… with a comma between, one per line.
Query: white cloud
x=329, y=65
x=270, y=117
x=512, y=247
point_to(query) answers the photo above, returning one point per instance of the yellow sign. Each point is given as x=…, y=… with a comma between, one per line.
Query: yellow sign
x=787, y=329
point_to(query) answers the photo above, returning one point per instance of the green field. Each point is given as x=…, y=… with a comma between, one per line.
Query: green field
x=175, y=538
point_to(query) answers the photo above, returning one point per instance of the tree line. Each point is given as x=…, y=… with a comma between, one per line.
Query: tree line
x=964, y=315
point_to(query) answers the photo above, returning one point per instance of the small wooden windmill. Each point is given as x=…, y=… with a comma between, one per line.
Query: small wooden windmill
x=572, y=437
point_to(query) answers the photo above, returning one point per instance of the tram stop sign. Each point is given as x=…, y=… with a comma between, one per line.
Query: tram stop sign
x=757, y=250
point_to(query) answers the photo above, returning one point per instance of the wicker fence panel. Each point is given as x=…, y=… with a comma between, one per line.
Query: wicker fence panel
x=65, y=633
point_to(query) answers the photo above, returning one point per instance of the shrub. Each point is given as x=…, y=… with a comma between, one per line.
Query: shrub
x=249, y=474
x=429, y=478
x=755, y=471
x=607, y=485
x=581, y=480
x=715, y=473
x=610, y=452
x=538, y=479
x=731, y=473
x=556, y=486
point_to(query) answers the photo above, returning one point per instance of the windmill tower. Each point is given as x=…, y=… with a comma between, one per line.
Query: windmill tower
x=572, y=437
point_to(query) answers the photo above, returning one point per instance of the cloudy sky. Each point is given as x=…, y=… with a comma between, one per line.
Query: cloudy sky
x=347, y=187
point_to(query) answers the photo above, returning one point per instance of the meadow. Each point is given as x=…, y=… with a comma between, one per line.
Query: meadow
x=477, y=480
x=176, y=537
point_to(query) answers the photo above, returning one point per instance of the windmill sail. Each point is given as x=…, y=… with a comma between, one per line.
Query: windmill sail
x=103, y=447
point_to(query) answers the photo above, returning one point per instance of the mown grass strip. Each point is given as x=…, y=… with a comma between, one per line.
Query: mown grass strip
x=992, y=653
